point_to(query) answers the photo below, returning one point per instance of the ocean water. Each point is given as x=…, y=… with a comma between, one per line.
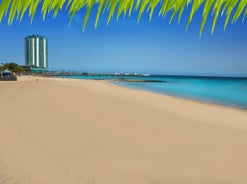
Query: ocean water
x=217, y=90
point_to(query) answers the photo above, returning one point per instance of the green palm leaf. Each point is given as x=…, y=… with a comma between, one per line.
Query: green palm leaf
x=232, y=10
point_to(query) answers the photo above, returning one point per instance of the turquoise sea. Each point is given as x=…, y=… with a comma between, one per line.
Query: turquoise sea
x=217, y=90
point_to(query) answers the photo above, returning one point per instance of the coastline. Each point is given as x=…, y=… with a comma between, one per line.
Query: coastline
x=183, y=98
x=201, y=89
x=113, y=82
x=57, y=130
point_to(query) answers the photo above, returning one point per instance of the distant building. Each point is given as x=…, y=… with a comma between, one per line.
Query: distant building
x=6, y=73
x=36, y=52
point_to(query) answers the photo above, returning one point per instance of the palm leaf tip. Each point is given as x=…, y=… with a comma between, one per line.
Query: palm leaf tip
x=231, y=9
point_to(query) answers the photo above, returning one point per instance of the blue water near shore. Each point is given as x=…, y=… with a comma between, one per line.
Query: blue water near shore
x=217, y=90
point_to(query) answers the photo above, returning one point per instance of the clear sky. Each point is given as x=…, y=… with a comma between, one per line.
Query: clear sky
x=155, y=47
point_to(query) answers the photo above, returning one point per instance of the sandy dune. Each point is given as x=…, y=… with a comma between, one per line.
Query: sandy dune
x=58, y=131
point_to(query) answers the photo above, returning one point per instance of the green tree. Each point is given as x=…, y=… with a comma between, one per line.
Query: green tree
x=1, y=67
x=13, y=67
x=230, y=9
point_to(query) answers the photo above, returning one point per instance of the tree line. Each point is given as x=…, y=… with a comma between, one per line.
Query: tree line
x=13, y=67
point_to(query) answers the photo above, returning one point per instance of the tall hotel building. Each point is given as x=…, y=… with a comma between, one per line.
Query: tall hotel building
x=36, y=52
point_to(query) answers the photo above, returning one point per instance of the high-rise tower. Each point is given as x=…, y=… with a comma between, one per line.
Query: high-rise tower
x=36, y=51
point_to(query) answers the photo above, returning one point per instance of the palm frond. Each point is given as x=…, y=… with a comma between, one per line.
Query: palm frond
x=230, y=9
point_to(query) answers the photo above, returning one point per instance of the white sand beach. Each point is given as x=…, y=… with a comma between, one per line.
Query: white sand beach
x=62, y=131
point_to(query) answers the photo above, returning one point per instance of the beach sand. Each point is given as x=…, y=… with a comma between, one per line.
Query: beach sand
x=61, y=131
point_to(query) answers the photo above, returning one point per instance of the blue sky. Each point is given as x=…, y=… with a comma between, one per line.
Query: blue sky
x=155, y=47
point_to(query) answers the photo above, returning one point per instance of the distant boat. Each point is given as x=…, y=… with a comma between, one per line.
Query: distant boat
x=146, y=75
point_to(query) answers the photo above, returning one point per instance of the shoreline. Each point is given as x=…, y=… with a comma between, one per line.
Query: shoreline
x=167, y=95
x=187, y=99
x=55, y=130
